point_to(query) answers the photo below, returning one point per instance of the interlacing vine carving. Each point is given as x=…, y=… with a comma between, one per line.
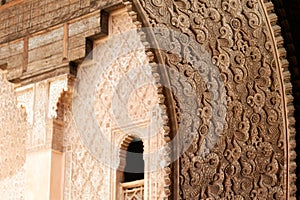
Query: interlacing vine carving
x=249, y=159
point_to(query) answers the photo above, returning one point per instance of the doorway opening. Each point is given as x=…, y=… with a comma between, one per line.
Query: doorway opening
x=134, y=167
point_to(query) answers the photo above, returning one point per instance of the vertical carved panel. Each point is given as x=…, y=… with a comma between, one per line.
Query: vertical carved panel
x=40, y=114
x=13, y=128
x=25, y=99
x=85, y=177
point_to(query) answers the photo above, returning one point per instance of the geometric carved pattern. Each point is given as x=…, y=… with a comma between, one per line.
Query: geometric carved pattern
x=143, y=98
x=85, y=177
x=141, y=105
x=13, y=188
x=13, y=128
x=126, y=68
x=134, y=193
x=249, y=161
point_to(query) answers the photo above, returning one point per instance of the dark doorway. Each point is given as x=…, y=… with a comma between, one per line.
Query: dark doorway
x=134, y=169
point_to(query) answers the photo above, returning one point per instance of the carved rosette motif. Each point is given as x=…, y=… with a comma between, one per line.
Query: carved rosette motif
x=251, y=155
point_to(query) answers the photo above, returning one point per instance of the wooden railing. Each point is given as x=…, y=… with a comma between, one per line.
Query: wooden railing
x=133, y=190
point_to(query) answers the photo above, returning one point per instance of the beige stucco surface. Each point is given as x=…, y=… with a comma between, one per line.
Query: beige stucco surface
x=37, y=172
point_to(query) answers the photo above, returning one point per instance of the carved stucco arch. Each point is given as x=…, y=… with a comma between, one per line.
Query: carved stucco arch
x=289, y=120
x=163, y=85
x=124, y=146
x=146, y=16
x=114, y=131
x=152, y=13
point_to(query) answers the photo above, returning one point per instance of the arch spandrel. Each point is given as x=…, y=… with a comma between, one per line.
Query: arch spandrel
x=252, y=154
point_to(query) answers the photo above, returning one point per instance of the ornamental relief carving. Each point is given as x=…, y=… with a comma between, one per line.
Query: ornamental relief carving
x=84, y=177
x=124, y=102
x=249, y=159
x=13, y=129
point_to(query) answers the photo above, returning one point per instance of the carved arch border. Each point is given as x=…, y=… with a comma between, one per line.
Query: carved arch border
x=123, y=146
x=122, y=154
x=64, y=102
x=287, y=97
x=166, y=100
x=139, y=18
x=167, y=103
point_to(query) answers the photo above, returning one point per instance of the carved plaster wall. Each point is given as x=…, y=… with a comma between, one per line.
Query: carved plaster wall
x=13, y=127
x=251, y=159
x=26, y=137
x=123, y=106
x=39, y=100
